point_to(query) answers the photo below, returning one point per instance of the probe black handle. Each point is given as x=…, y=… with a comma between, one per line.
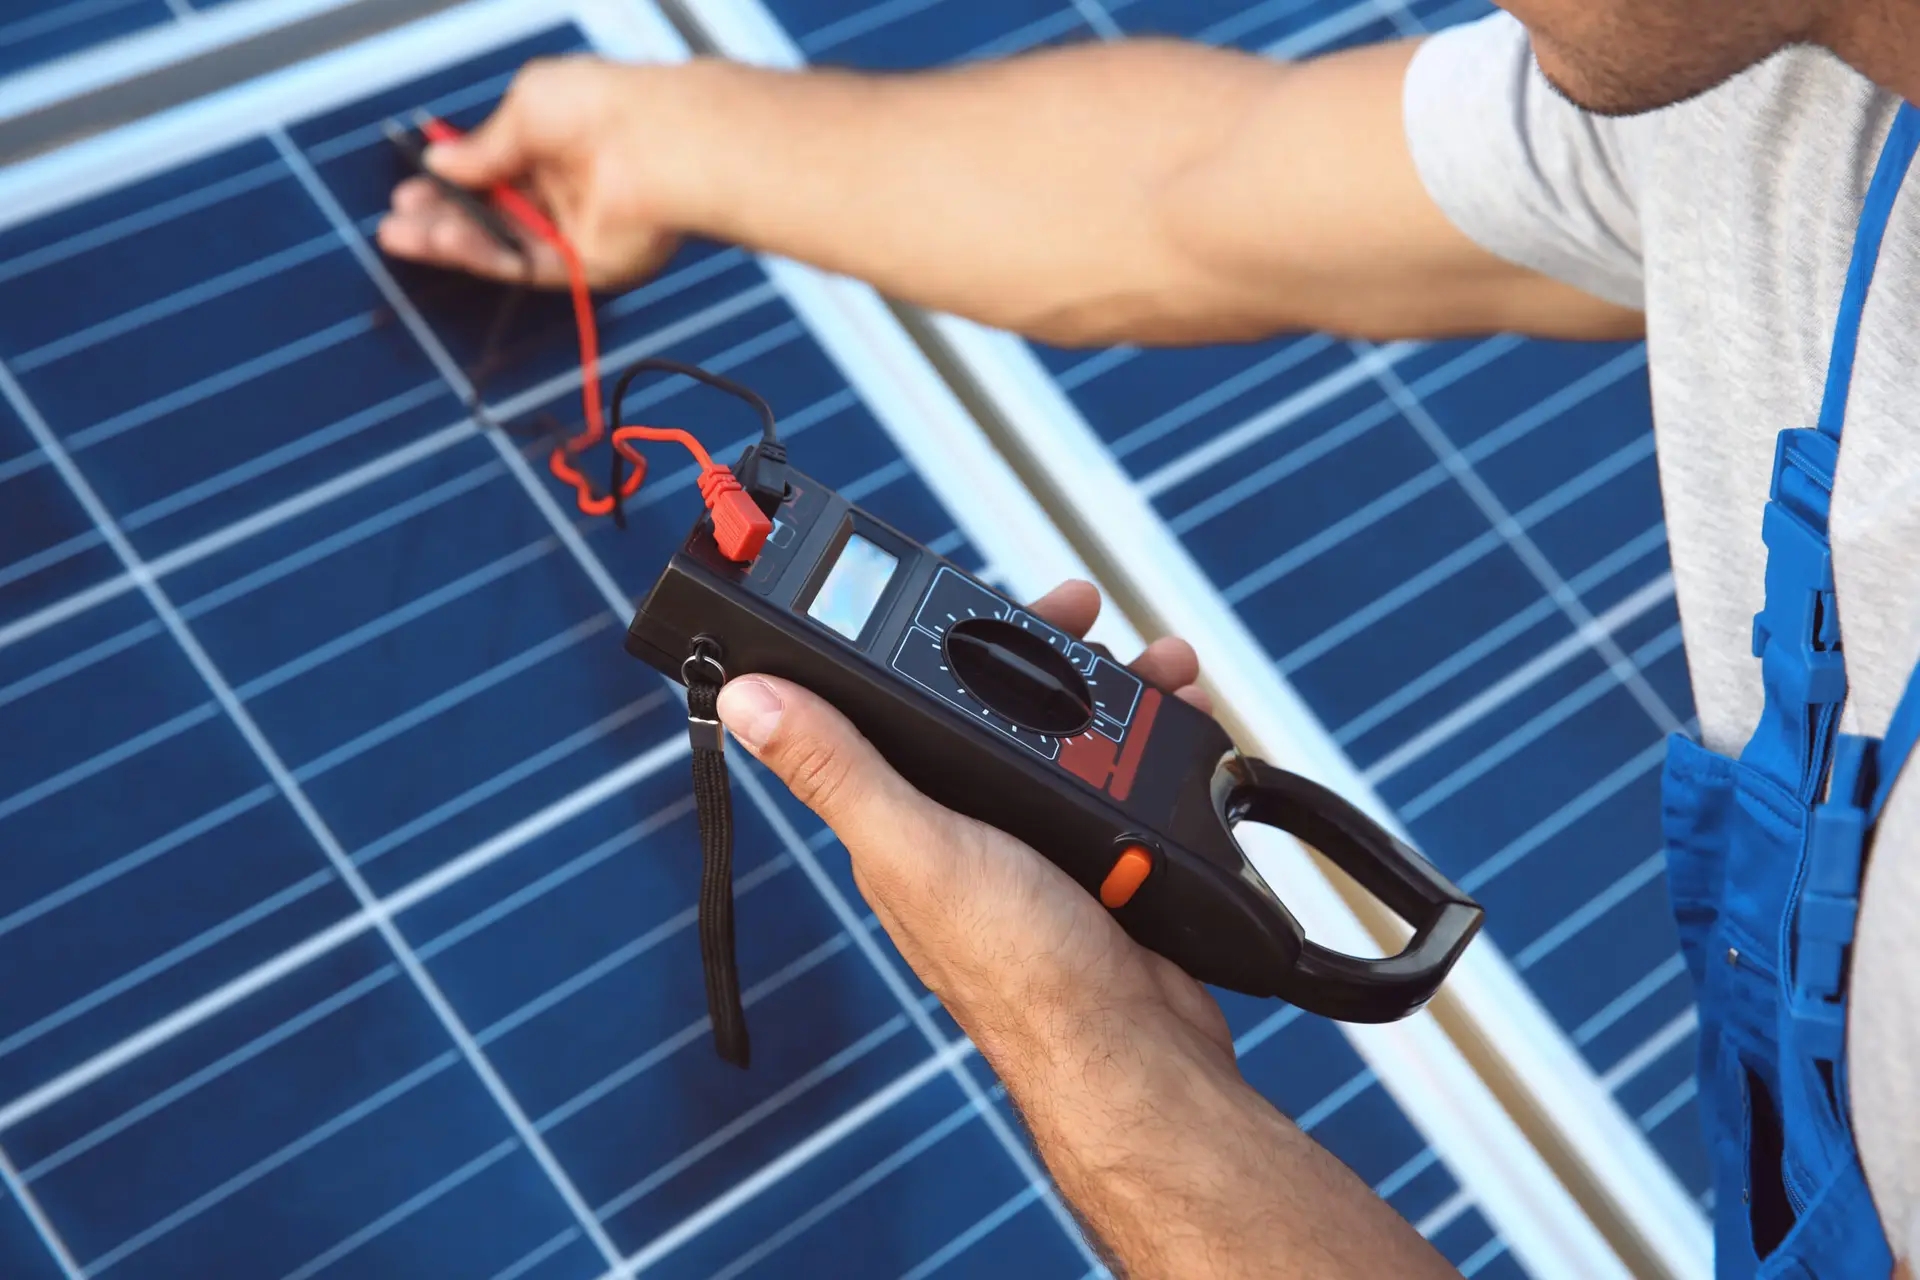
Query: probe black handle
x=1331, y=983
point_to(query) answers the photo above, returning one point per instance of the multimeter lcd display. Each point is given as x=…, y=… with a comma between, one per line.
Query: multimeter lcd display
x=853, y=587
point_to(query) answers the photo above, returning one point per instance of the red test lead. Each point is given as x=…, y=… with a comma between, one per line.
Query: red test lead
x=740, y=526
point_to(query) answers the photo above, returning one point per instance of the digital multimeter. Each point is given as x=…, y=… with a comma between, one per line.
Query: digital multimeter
x=995, y=713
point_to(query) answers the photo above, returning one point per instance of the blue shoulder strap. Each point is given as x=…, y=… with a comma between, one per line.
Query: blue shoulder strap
x=1895, y=158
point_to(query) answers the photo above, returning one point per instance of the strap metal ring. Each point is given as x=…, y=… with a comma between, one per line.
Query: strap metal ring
x=706, y=651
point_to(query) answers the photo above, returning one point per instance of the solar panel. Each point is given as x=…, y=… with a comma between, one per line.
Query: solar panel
x=1432, y=572
x=51, y=51
x=353, y=862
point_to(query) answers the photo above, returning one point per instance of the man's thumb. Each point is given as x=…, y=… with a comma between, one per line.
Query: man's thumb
x=822, y=758
x=489, y=155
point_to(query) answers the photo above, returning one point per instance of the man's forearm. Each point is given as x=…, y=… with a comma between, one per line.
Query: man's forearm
x=1181, y=1169
x=1024, y=194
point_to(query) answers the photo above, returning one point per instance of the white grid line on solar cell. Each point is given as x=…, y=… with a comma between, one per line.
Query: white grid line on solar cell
x=23, y=1197
x=1098, y=20
x=379, y=977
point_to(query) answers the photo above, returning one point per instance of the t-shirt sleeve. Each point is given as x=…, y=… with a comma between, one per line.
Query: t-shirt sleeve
x=1521, y=171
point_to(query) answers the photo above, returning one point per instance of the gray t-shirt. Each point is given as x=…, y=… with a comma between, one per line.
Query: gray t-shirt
x=1729, y=220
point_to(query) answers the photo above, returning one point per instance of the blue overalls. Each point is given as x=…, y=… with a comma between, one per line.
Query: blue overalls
x=1764, y=861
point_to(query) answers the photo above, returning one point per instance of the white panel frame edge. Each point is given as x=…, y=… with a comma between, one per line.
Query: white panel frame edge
x=140, y=52
x=1416, y=1059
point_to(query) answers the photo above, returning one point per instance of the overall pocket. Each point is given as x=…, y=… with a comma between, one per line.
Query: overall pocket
x=1696, y=794
x=1774, y=1200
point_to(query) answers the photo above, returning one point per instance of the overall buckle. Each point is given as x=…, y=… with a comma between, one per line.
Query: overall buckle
x=1797, y=633
x=1829, y=906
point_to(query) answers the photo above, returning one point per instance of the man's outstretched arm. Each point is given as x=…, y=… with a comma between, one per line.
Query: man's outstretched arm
x=1150, y=192
x=1121, y=1064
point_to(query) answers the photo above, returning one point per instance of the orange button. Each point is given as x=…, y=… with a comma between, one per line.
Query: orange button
x=1128, y=874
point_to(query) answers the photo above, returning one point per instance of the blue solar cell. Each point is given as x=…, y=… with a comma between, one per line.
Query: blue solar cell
x=906, y=33
x=32, y=32
x=54, y=548
x=910, y=33
x=28, y=1256
x=1455, y=551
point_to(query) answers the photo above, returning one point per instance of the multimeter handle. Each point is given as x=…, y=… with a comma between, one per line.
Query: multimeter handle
x=1443, y=919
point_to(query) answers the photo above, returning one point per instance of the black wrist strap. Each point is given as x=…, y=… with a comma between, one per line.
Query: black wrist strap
x=713, y=802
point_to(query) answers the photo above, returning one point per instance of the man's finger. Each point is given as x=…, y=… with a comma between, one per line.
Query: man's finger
x=417, y=197
x=447, y=241
x=1169, y=663
x=1072, y=606
x=1194, y=696
x=459, y=242
x=827, y=765
x=491, y=154
x=441, y=234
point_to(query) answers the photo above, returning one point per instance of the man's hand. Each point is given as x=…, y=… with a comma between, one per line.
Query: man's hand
x=566, y=132
x=1121, y=1064
x=1008, y=942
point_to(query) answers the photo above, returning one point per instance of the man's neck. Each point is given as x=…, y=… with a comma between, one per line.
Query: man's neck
x=1878, y=38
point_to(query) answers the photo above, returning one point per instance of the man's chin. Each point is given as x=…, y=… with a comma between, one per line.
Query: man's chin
x=1606, y=87
x=1600, y=94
